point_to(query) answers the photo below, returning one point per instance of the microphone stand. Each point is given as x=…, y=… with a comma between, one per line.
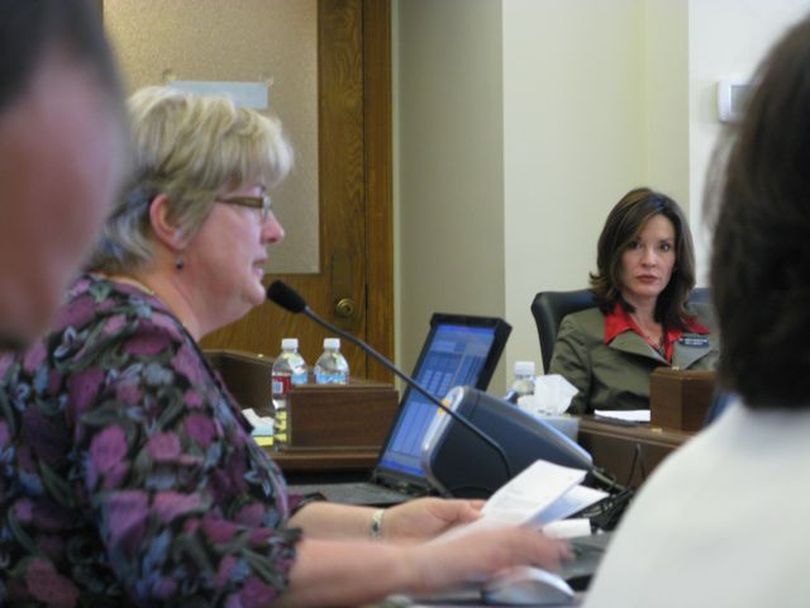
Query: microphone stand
x=412, y=383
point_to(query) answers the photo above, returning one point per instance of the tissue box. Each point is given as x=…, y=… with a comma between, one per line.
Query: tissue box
x=680, y=399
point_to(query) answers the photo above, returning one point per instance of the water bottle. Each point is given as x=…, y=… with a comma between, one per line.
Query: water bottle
x=289, y=369
x=332, y=367
x=523, y=383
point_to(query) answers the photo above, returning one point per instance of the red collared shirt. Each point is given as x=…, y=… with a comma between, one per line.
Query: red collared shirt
x=619, y=321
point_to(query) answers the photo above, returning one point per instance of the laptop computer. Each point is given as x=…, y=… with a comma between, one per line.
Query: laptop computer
x=460, y=350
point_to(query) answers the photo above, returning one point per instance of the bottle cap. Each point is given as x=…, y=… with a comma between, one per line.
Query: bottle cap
x=524, y=368
x=289, y=344
x=333, y=343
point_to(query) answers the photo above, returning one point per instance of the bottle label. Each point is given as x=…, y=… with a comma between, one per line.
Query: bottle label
x=281, y=384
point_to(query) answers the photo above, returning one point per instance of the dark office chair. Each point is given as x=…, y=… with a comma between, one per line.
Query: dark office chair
x=700, y=295
x=549, y=308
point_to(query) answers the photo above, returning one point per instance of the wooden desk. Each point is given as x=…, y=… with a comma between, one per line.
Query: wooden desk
x=629, y=453
x=372, y=408
x=325, y=465
x=326, y=460
x=613, y=447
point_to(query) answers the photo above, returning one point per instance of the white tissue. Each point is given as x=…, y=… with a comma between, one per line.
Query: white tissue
x=262, y=425
x=552, y=396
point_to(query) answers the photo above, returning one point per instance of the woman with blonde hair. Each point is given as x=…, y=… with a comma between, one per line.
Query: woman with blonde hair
x=128, y=472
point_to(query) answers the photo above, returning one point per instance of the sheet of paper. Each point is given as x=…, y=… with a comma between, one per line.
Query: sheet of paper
x=524, y=498
x=568, y=528
x=526, y=495
x=576, y=499
x=625, y=415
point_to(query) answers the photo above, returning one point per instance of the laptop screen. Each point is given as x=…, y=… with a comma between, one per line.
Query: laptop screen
x=459, y=351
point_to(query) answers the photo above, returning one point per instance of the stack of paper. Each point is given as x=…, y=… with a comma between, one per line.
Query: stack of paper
x=542, y=494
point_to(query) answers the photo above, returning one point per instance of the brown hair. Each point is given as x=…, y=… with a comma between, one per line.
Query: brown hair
x=624, y=222
x=31, y=29
x=761, y=259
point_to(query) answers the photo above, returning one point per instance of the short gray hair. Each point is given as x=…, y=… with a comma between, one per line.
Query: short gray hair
x=187, y=147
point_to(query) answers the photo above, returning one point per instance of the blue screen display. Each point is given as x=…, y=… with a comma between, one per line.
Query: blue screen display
x=455, y=356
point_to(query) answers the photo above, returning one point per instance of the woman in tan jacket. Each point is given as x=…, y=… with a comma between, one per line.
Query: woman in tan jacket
x=645, y=273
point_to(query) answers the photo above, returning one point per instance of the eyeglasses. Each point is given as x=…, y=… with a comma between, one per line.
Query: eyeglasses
x=255, y=202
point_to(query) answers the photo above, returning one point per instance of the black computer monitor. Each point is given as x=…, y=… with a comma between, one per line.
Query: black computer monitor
x=460, y=350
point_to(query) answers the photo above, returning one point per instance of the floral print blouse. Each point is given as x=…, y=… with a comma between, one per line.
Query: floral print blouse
x=127, y=473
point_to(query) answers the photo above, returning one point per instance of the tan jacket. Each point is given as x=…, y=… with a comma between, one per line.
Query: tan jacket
x=616, y=376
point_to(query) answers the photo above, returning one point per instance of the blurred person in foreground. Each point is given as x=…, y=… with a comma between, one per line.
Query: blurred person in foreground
x=62, y=153
x=723, y=521
x=642, y=319
x=130, y=476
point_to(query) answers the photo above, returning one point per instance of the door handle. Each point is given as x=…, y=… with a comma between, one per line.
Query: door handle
x=345, y=308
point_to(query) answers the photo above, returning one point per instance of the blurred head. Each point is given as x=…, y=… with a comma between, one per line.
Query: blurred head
x=645, y=251
x=62, y=153
x=196, y=157
x=761, y=256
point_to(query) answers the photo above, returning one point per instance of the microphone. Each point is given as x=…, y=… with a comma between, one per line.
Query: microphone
x=289, y=299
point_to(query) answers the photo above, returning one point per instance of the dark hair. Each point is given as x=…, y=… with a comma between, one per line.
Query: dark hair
x=761, y=261
x=29, y=29
x=623, y=224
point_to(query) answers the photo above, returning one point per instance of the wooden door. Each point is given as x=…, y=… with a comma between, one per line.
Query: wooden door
x=356, y=248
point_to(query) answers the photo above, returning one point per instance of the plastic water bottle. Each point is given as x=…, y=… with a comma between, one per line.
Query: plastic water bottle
x=523, y=383
x=332, y=367
x=289, y=369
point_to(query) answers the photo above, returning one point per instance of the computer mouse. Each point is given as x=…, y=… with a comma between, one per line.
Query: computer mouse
x=526, y=586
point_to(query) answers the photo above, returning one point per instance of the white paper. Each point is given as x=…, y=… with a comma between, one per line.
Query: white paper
x=243, y=94
x=262, y=425
x=573, y=501
x=529, y=493
x=568, y=528
x=524, y=499
x=625, y=415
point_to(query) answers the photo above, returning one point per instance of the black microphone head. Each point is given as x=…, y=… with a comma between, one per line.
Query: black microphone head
x=286, y=297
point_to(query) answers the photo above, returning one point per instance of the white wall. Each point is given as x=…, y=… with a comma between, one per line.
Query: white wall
x=573, y=142
x=449, y=174
x=665, y=53
x=519, y=124
x=727, y=39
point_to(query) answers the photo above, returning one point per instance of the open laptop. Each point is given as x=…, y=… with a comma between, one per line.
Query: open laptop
x=460, y=350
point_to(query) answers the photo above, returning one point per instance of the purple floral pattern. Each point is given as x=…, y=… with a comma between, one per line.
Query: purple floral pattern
x=127, y=473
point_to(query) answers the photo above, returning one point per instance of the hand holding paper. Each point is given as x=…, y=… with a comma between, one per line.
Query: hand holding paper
x=541, y=494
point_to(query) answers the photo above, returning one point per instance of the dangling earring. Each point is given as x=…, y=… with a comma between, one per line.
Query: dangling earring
x=180, y=262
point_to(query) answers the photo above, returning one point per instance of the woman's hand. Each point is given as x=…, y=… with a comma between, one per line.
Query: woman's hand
x=424, y=518
x=477, y=556
x=343, y=572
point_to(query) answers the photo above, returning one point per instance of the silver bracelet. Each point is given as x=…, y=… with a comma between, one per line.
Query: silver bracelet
x=376, y=524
